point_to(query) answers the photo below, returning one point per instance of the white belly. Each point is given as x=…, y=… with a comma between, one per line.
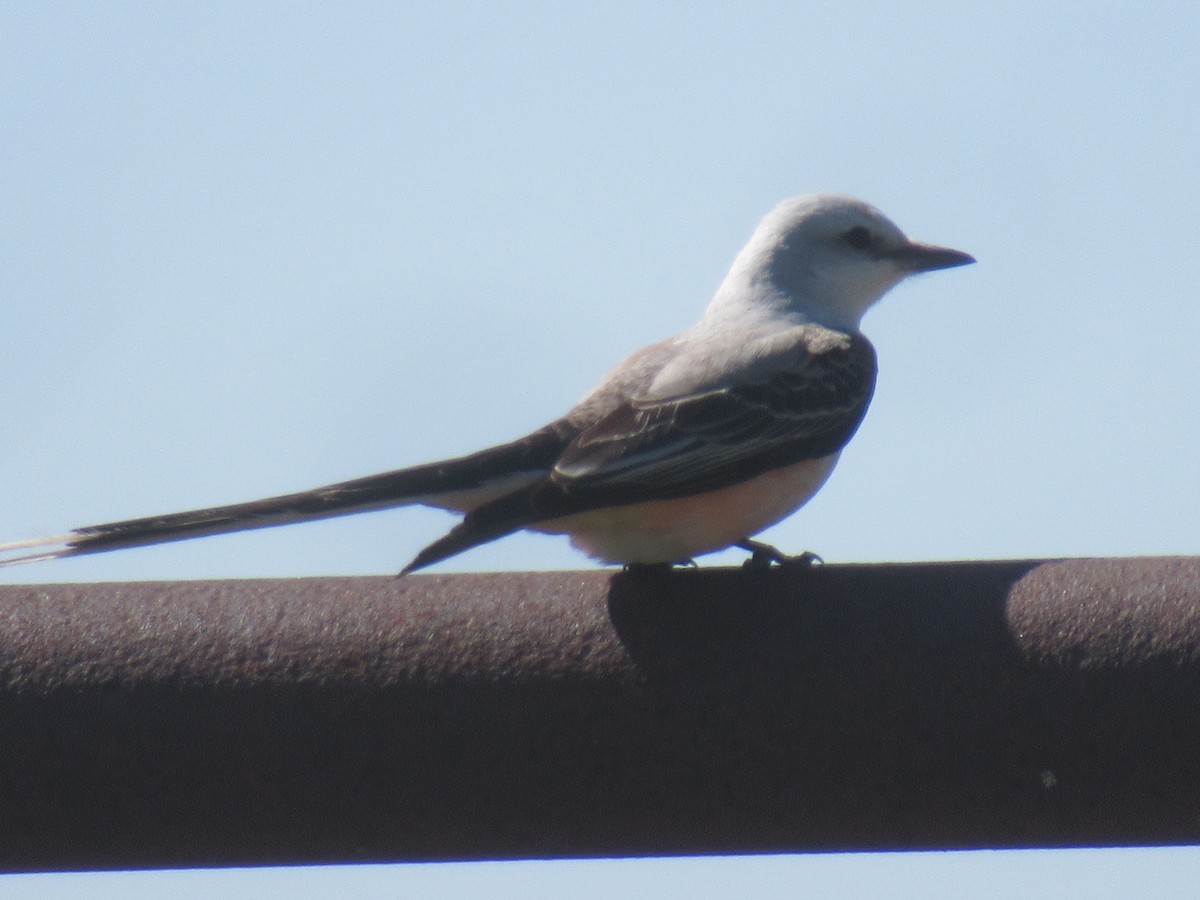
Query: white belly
x=675, y=530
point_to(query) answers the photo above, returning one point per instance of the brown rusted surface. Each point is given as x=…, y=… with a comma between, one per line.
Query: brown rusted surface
x=1005, y=704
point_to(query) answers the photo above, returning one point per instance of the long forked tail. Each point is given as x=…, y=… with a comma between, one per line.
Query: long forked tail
x=284, y=510
x=455, y=484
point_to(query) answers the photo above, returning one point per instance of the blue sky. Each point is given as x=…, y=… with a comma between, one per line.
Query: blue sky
x=250, y=248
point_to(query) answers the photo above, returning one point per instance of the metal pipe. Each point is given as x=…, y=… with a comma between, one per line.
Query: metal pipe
x=866, y=707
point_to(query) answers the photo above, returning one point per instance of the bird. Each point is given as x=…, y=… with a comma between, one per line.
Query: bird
x=688, y=446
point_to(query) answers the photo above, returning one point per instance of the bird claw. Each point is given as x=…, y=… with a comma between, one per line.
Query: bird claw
x=763, y=556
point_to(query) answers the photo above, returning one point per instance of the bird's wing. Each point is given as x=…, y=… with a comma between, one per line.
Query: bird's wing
x=804, y=403
x=807, y=406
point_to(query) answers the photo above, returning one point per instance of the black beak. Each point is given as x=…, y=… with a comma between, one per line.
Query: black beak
x=926, y=257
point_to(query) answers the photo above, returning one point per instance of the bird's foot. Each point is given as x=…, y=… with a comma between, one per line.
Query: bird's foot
x=763, y=556
x=658, y=567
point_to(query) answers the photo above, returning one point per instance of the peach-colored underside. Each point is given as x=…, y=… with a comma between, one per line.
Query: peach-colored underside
x=675, y=530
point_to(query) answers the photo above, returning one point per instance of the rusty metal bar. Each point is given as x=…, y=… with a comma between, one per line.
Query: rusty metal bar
x=988, y=704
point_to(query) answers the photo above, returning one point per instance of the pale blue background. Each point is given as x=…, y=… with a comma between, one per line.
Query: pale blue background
x=247, y=248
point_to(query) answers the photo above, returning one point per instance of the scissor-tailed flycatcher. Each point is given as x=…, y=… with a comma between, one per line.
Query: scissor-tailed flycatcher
x=690, y=445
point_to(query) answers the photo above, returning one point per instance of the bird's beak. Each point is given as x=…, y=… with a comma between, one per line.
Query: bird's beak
x=916, y=257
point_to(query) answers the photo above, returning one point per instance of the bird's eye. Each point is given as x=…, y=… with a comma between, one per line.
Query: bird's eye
x=858, y=237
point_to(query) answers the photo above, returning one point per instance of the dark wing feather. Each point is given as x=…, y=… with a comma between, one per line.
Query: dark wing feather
x=654, y=449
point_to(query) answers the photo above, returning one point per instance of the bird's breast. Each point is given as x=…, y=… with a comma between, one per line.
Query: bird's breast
x=678, y=529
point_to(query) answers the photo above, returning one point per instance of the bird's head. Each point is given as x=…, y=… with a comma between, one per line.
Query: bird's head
x=830, y=258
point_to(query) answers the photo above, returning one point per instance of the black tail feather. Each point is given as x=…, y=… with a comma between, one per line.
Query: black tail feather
x=425, y=483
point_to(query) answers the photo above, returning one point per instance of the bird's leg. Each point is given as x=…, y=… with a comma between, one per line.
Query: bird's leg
x=762, y=556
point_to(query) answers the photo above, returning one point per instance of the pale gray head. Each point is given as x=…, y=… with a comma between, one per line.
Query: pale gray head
x=828, y=258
